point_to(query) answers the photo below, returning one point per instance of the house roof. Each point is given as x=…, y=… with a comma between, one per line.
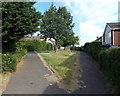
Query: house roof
x=99, y=38
x=35, y=37
x=114, y=26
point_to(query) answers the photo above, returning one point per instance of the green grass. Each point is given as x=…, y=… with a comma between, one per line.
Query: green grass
x=62, y=62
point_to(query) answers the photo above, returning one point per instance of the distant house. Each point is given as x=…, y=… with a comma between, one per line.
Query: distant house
x=41, y=38
x=52, y=41
x=111, y=35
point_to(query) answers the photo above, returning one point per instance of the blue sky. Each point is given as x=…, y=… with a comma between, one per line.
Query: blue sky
x=89, y=16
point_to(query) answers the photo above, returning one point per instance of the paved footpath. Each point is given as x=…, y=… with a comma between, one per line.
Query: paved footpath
x=93, y=80
x=31, y=78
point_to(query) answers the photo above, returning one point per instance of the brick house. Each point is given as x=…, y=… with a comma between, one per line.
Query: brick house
x=111, y=35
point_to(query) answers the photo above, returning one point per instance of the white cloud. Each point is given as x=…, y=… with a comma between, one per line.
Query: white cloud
x=90, y=30
x=91, y=16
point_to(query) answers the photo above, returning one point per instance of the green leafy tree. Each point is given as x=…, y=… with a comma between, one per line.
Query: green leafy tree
x=65, y=25
x=19, y=19
x=49, y=23
x=57, y=24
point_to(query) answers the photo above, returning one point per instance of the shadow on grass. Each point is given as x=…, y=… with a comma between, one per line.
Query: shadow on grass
x=66, y=68
x=64, y=64
x=93, y=79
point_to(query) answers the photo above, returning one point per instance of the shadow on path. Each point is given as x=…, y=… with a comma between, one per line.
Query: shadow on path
x=31, y=80
x=92, y=80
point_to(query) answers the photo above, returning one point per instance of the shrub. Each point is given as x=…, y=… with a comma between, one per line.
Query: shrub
x=49, y=46
x=110, y=64
x=93, y=49
x=106, y=46
x=76, y=48
x=20, y=49
x=20, y=54
x=9, y=62
x=36, y=45
x=86, y=47
x=72, y=48
x=31, y=45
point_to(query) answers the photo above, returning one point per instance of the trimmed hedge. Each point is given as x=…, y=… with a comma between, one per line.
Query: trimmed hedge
x=110, y=65
x=76, y=48
x=36, y=45
x=109, y=62
x=93, y=49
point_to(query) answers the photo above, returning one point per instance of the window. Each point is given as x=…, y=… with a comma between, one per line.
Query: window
x=109, y=34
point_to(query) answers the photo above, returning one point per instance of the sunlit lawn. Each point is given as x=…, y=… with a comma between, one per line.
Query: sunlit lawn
x=61, y=61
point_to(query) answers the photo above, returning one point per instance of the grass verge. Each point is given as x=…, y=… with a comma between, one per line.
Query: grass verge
x=63, y=62
x=4, y=79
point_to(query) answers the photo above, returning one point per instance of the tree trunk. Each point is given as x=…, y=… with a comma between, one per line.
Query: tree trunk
x=9, y=46
x=64, y=48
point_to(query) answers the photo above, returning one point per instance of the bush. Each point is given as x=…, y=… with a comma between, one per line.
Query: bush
x=110, y=64
x=72, y=48
x=10, y=60
x=93, y=49
x=87, y=47
x=76, y=48
x=49, y=47
x=106, y=46
x=20, y=54
x=20, y=49
x=36, y=45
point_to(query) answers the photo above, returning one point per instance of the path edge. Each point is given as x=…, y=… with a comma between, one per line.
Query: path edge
x=10, y=75
x=48, y=66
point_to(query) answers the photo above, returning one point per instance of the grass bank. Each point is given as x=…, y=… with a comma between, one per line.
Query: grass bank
x=63, y=62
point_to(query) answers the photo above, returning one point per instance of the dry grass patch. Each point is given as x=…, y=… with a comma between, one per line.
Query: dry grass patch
x=4, y=79
x=63, y=62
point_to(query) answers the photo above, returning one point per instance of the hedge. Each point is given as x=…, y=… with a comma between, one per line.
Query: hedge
x=109, y=60
x=110, y=65
x=93, y=49
x=10, y=60
x=76, y=48
x=36, y=45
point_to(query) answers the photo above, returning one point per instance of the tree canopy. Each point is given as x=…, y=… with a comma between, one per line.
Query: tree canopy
x=18, y=19
x=21, y=18
x=58, y=24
